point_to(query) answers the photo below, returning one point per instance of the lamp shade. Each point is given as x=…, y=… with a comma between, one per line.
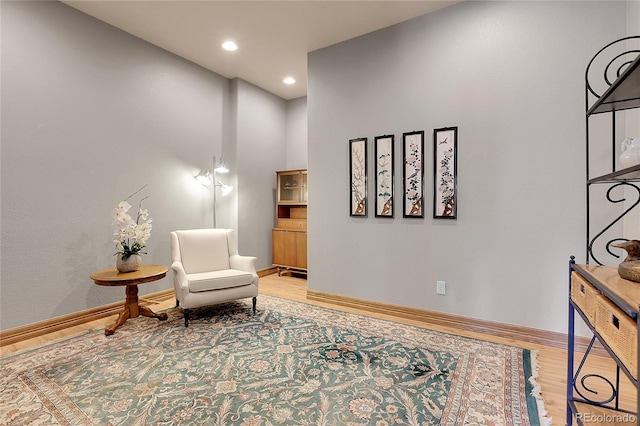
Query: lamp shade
x=224, y=189
x=221, y=167
x=204, y=178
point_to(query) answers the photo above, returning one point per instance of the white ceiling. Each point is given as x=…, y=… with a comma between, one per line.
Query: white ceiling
x=274, y=37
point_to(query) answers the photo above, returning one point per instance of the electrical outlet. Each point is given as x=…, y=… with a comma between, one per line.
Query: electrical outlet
x=441, y=287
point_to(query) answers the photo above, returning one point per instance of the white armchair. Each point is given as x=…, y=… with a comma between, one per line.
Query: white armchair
x=207, y=269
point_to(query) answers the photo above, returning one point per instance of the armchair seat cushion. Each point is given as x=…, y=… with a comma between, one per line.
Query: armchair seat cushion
x=217, y=280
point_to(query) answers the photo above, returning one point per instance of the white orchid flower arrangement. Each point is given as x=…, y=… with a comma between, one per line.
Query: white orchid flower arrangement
x=131, y=235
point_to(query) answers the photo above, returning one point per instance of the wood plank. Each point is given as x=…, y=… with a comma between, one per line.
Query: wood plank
x=299, y=213
x=290, y=254
x=526, y=334
x=41, y=328
x=278, y=247
x=627, y=291
x=145, y=274
x=301, y=250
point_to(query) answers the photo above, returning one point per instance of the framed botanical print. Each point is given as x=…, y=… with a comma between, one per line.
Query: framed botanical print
x=384, y=175
x=413, y=174
x=445, y=166
x=358, y=176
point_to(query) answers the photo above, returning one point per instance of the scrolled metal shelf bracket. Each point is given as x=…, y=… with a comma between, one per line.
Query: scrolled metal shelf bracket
x=616, y=220
x=612, y=67
x=583, y=382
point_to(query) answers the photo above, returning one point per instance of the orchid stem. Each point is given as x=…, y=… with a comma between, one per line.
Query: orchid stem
x=145, y=185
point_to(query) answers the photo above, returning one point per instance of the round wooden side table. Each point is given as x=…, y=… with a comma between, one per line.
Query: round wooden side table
x=146, y=274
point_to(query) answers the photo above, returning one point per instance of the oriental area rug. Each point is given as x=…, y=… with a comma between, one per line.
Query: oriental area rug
x=289, y=364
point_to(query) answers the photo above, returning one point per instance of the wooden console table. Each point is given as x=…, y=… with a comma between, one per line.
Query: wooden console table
x=146, y=274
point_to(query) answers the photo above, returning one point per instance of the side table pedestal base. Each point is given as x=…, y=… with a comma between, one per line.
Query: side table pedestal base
x=133, y=310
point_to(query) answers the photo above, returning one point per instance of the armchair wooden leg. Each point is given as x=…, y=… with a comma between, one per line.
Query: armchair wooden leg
x=186, y=317
x=177, y=303
x=255, y=299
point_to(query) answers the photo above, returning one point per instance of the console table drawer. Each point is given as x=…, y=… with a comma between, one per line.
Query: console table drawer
x=619, y=331
x=584, y=295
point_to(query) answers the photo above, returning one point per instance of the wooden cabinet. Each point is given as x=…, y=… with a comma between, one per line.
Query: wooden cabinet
x=289, y=237
x=608, y=304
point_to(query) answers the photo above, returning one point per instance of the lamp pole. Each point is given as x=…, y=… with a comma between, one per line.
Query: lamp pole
x=215, y=185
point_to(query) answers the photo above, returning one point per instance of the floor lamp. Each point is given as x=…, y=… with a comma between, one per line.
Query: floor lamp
x=208, y=178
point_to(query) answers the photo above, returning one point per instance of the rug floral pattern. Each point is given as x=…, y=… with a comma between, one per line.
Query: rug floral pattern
x=290, y=364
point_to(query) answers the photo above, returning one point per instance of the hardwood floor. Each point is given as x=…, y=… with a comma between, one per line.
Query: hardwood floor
x=552, y=361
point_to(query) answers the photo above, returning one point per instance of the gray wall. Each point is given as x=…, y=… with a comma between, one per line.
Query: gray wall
x=89, y=115
x=296, y=139
x=510, y=76
x=261, y=130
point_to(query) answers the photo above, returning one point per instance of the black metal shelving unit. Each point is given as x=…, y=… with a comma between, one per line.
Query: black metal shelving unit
x=623, y=93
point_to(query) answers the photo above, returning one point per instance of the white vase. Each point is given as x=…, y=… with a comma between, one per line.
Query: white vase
x=630, y=152
x=131, y=264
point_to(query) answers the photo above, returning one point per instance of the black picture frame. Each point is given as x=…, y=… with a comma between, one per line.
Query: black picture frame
x=384, y=170
x=358, y=177
x=445, y=173
x=413, y=174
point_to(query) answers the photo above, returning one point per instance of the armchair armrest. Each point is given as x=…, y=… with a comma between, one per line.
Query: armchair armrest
x=180, y=284
x=243, y=263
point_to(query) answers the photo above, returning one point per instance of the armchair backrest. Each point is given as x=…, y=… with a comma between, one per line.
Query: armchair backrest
x=202, y=250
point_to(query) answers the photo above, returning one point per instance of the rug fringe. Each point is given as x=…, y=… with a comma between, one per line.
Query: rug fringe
x=536, y=392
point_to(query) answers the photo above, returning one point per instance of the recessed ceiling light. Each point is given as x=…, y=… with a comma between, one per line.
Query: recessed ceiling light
x=230, y=46
x=289, y=80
